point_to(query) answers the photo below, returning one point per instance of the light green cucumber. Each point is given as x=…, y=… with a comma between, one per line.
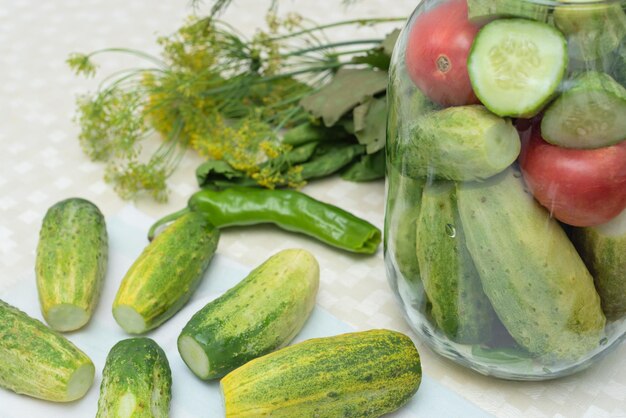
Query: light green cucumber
x=166, y=274
x=485, y=10
x=461, y=143
x=262, y=313
x=516, y=65
x=533, y=276
x=590, y=114
x=71, y=263
x=362, y=374
x=460, y=307
x=39, y=362
x=136, y=381
x=593, y=30
x=603, y=248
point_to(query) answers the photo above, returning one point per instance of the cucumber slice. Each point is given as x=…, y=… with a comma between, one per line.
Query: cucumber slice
x=591, y=114
x=593, y=30
x=516, y=65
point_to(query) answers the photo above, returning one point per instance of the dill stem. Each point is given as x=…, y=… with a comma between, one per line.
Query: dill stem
x=331, y=45
x=363, y=22
x=129, y=51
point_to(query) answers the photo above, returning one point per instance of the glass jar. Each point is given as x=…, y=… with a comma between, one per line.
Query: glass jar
x=505, y=224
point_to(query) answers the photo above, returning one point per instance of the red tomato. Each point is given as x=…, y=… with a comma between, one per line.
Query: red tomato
x=436, y=54
x=580, y=187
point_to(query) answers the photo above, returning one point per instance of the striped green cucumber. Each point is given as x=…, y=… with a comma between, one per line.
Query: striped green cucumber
x=39, y=362
x=591, y=114
x=259, y=315
x=461, y=143
x=403, y=207
x=533, y=276
x=516, y=65
x=136, y=381
x=603, y=248
x=71, y=263
x=485, y=10
x=166, y=274
x=460, y=307
x=593, y=30
x=361, y=374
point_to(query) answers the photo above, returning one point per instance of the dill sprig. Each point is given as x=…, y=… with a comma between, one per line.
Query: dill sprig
x=213, y=90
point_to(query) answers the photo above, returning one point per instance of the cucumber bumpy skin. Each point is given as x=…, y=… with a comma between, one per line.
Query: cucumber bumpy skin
x=591, y=114
x=136, y=381
x=39, y=362
x=603, y=248
x=459, y=305
x=461, y=143
x=516, y=65
x=536, y=281
x=362, y=374
x=168, y=271
x=262, y=313
x=71, y=263
x=485, y=10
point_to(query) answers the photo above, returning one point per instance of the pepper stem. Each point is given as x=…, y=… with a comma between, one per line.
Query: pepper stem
x=164, y=220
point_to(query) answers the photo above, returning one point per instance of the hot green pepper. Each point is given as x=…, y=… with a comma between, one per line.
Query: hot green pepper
x=288, y=209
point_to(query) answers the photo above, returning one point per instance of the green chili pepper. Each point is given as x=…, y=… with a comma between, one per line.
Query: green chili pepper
x=288, y=209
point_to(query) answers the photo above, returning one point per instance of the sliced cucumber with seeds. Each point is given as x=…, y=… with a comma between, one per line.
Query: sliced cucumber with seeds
x=591, y=114
x=516, y=65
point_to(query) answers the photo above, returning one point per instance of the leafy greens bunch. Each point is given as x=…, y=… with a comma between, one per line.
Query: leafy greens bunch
x=229, y=98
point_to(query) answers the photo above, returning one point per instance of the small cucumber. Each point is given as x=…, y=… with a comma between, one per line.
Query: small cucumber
x=39, y=362
x=590, y=114
x=166, y=274
x=593, y=30
x=459, y=305
x=136, y=381
x=603, y=248
x=485, y=10
x=261, y=314
x=533, y=276
x=461, y=143
x=362, y=374
x=403, y=207
x=71, y=263
x=516, y=65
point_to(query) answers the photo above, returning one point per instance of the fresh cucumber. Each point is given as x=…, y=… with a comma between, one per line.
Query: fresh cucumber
x=460, y=307
x=516, y=65
x=618, y=67
x=39, y=362
x=461, y=143
x=603, y=248
x=362, y=374
x=259, y=315
x=593, y=30
x=166, y=274
x=590, y=114
x=403, y=207
x=71, y=263
x=485, y=10
x=533, y=276
x=136, y=381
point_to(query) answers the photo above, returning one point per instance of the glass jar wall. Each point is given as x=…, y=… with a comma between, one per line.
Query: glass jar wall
x=505, y=225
